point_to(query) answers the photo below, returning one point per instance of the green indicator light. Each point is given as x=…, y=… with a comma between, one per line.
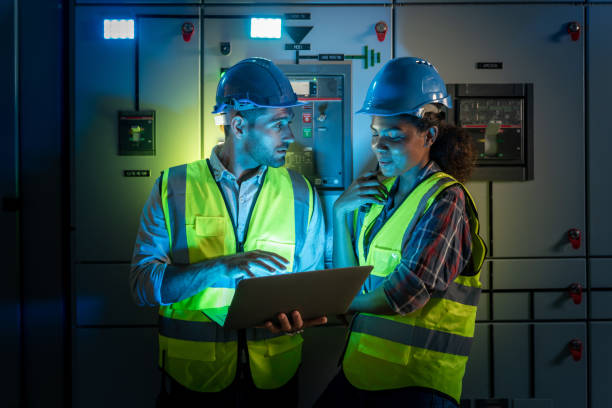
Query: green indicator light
x=500, y=155
x=307, y=133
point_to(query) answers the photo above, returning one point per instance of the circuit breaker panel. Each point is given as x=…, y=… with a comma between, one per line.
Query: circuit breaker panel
x=321, y=151
x=499, y=117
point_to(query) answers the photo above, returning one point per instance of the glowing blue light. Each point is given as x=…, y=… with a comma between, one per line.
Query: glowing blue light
x=118, y=29
x=266, y=28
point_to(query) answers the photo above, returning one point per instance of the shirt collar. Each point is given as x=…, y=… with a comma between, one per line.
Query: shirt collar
x=222, y=173
x=430, y=168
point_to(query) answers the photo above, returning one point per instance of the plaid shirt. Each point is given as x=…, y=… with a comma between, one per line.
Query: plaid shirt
x=433, y=255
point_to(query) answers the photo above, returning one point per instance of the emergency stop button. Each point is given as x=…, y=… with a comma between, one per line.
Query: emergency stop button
x=307, y=117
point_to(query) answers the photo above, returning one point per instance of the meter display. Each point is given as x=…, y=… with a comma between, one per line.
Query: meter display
x=136, y=133
x=496, y=126
x=499, y=117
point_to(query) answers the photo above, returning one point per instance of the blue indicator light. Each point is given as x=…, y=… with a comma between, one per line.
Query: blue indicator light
x=266, y=28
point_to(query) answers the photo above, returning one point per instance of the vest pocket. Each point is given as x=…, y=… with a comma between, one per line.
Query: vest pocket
x=282, y=344
x=191, y=350
x=274, y=346
x=390, y=351
x=209, y=226
x=283, y=249
x=384, y=260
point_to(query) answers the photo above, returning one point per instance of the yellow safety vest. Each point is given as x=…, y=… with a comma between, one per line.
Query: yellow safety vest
x=200, y=354
x=428, y=347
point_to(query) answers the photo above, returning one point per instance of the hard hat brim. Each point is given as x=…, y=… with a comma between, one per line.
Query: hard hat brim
x=377, y=111
x=251, y=105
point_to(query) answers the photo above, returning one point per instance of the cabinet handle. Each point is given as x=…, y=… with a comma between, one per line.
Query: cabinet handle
x=575, y=237
x=575, y=346
x=573, y=29
x=575, y=292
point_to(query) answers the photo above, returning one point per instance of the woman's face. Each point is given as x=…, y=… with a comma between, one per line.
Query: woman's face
x=398, y=145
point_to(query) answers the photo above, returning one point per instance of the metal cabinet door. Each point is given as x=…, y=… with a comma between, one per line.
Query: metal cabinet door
x=599, y=141
x=10, y=342
x=115, y=368
x=558, y=305
x=557, y=375
x=477, y=372
x=529, y=218
x=512, y=306
x=601, y=273
x=601, y=364
x=103, y=298
x=537, y=273
x=107, y=205
x=601, y=288
x=512, y=358
x=601, y=304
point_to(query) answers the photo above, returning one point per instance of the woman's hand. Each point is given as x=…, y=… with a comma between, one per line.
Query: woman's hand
x=364, y=190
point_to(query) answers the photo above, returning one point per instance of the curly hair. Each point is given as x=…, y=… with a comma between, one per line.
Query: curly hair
x=453, y=150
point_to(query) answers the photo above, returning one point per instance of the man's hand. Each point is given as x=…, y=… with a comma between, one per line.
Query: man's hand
x=254, y=263
x=298, y=326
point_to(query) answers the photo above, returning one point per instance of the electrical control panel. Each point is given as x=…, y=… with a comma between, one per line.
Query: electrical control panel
x=136, y=133
x=499, y=117
x=321, y=150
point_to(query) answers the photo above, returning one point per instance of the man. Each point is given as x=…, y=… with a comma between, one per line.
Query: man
x=211, y=223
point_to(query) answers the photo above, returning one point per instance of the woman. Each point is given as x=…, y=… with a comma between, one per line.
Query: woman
x=418, y=227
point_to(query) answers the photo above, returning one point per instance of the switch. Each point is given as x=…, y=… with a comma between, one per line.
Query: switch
x=322, y=115
x=225, y=48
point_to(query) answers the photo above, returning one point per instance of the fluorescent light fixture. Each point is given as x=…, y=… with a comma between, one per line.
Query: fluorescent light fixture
x=266, y=28
x=118, y=29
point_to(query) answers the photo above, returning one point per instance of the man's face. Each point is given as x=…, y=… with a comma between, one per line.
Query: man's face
x=269, y=137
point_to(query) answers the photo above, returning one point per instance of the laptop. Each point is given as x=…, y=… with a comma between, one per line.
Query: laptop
x=326, y=292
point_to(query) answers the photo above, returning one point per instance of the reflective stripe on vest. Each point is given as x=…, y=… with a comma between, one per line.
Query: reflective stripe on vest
x=201, y=228
x=412, y=335
x=173, y=199
x=428, y=347
x=466, y=295
x=206, y=331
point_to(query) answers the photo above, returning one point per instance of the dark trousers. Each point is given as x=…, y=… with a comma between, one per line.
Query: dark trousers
x=241, y=393
x=341, y=393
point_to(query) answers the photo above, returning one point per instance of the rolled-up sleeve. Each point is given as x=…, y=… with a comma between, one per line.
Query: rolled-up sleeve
x=151, y=253
x=434, y=254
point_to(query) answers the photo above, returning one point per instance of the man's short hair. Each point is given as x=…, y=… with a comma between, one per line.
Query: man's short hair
x=250, y=115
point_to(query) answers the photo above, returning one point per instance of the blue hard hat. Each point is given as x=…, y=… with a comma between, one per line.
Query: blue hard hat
x=405, y=86
x=252, y=83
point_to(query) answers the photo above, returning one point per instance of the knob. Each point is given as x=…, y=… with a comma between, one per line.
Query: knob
x=574, y=236
x=574, y=29
x=575, y=292
x=575, y=346
x=187, y=29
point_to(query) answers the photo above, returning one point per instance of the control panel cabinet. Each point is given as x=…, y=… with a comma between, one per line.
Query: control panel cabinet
x=321, y=151
x=499, y=117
